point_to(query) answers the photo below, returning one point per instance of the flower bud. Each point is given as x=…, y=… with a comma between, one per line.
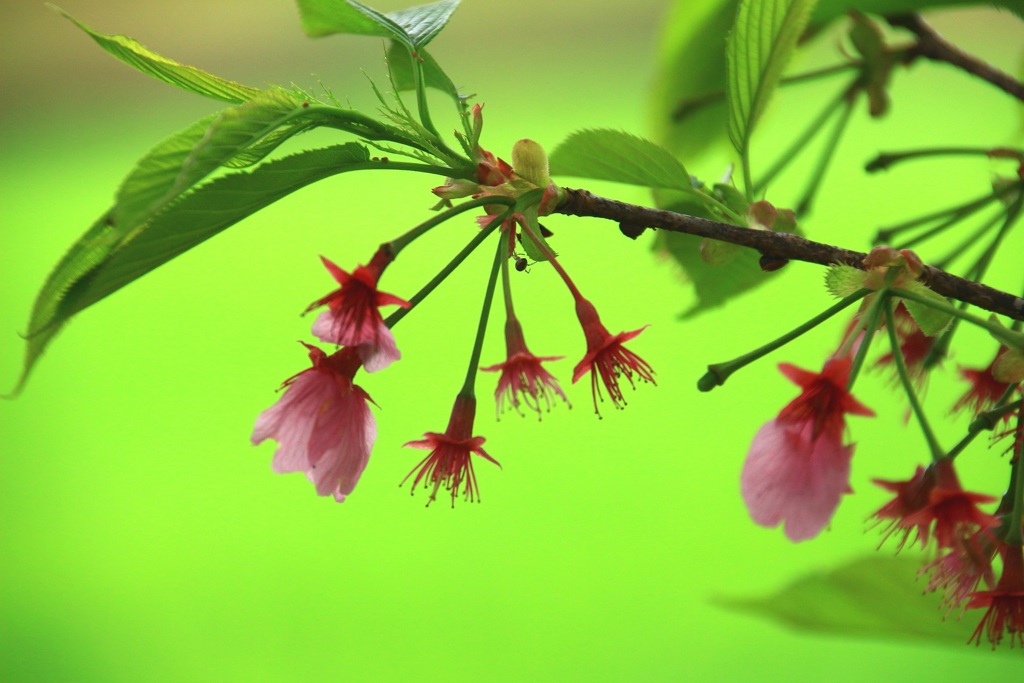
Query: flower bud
x=530, y=162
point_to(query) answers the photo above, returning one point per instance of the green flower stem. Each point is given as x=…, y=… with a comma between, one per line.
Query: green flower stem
x=961, y=248
x=884, y=160
x=818, y=174
x=425, y=291
x=713, y=204
x=748, y=183
x=396, y=245
x=1011, y=338
x=800, y=143
x=908, y=387
x=1015, y=536
x=719, y=372
x=550, y=255
x=506, y=281
x=481, y=330
x=986, y=420
x=872, y=319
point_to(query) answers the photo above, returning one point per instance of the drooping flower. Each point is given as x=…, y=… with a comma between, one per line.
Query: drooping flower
x=523, y=379
x=953, y=511
x=353, y=319
x=798, y=467
x=915, y=346
x=911, y=496
x=960, y=571
x=1005, y=602
x=607, y=360
x=985, y=388
x=322, y=424
x=449, y=464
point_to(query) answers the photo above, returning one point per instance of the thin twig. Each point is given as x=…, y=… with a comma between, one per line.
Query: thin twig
x=781, y=245
x=932, y=46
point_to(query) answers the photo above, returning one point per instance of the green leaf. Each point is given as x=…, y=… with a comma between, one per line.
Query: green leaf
x=148, y=62
x=413, y=27
x=874, y=597
x=828, y=10
x=842, y=280
x=400, y=66
x=621, y=157
x=760, y=45
x=713, y=285
x=101, y=262
x=931, y=321
x=178, y=163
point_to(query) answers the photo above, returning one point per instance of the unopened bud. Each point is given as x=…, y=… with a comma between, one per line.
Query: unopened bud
x=530, y=162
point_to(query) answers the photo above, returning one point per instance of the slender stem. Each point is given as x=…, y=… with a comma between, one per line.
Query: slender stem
x=908, y=386
x=986, y=420
x=506, y=281
x=419, y=296
x=719, y=372
x=552, y=259
x=748, y=182
x=961, y=248
x=826, y=157
x=932, y=46
x=956, y=212
x=1014, y=340
x=481, y=330
x=800, y=143
x=781, y=245
x=1015, y=536
x=873, y=317
x=687, y=107
x=401, y=242
x=885, y=160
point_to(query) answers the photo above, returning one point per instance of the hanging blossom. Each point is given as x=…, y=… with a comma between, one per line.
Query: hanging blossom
x=353, y=319
x=960, y=571
x=322, y=424
x=915, y=346
x=607, y=360
x=523, y=379
x=798, y=467
x=1005, y=603
x=449, y=464
x=985, y=389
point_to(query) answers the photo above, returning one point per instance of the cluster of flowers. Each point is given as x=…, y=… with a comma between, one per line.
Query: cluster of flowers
x=323, y=423
x=798, y=469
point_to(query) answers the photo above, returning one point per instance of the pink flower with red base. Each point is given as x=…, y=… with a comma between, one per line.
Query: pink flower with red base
x=798, y=467
x=322, y=423
x=353, y=318
x=449, y=464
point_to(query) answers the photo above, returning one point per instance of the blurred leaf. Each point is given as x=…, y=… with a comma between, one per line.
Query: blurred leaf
x=413, y=27
x=101, y=262
x=827, y=10
x=930, y=320
x=713, y=285
x=871, y=597
x=186, y=77
x=759, y=47
x=842, y=280
x=400, y=66
x=621, y=157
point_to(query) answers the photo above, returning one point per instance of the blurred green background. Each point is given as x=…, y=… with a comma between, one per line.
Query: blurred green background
x=144, y=539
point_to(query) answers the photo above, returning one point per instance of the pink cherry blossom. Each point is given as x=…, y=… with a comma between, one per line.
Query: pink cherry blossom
x=353, y=318
x=798, y=467
x=322, y=424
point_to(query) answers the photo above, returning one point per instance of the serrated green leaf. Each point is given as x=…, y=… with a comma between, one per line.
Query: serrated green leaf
x=930, y=320
x=1009, y=367
x=413, y=27
x=101, y=261
x=621, y=157
x=713, y=285
x=257, y=152
x=178, y=163
x=842, y=280
x=875, y=597
x=148, y=62
x=759, y=47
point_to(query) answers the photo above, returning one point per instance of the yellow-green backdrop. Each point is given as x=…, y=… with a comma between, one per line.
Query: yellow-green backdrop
x=144, y=539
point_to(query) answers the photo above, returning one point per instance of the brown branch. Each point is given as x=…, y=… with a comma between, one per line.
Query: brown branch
x=933, y=46
x=776, y=246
